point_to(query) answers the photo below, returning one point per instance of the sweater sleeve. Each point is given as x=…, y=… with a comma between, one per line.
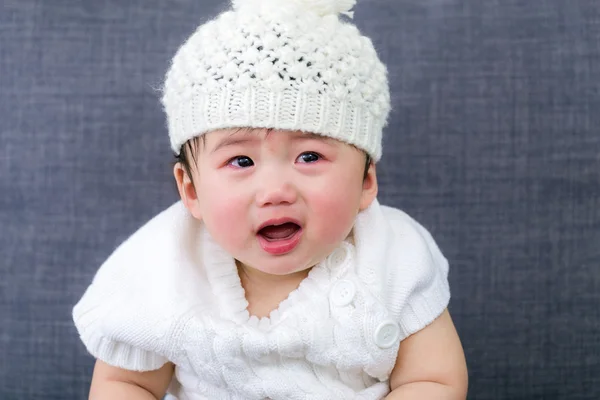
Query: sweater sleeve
x=128, y=315
x=116, y=331
x=415, y=280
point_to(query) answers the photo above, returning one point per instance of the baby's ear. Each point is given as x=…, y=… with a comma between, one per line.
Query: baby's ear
x=187, y=191
x=370, y=187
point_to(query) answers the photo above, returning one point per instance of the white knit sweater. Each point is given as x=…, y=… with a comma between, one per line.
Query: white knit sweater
x=170, y=293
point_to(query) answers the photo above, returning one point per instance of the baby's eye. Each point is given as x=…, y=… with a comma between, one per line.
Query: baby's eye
x=241, y=162
x=308, y=157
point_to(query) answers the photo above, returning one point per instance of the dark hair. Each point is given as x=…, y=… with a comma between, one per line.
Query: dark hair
x=187, y=154
x=189, y=150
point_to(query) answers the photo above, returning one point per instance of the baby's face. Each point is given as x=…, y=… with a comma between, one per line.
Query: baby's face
x=279, y=201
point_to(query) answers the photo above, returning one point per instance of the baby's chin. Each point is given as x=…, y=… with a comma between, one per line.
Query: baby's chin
x=279, y=266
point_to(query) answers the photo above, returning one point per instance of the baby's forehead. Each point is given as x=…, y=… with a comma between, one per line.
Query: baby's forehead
x=265, y=133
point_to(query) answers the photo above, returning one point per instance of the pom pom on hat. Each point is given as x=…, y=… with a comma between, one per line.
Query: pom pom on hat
x=281, y=64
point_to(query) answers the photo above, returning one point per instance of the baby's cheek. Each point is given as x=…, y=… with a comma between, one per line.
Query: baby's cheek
x=226, y=221
x=335, y=217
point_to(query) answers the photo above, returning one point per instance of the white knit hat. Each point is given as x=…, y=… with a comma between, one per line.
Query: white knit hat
x=283, y=64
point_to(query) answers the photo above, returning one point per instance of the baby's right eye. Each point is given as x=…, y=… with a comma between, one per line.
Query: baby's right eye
x=241, y=162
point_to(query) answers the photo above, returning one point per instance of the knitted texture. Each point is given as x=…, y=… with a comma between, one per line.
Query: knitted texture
x=291, y=65
x=171, y=293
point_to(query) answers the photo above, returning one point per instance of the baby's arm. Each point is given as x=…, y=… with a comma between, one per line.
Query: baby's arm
x=112, y=383
x=431, y=364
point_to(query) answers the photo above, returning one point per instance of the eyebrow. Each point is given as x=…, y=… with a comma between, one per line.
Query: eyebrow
x=250, y=137
x=232, y=140
x=313, y=136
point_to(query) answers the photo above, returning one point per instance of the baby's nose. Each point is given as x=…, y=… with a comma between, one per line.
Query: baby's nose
x=276, y=191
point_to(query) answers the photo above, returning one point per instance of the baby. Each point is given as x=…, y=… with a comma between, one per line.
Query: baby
x=278, y=275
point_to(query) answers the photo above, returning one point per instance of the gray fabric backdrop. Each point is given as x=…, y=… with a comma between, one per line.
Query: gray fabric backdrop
x=493, y=145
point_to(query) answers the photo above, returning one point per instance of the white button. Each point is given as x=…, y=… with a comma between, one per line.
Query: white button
x=343, y=293
x=386, y=334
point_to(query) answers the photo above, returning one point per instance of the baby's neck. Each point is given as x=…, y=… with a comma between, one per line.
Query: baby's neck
x=264, y=292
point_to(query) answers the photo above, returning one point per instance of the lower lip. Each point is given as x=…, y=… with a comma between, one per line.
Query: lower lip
x=279, y=247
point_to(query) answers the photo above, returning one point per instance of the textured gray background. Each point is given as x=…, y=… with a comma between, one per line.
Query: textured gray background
x=493, y=145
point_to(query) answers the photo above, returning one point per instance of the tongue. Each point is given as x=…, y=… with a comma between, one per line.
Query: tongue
x=280, y=231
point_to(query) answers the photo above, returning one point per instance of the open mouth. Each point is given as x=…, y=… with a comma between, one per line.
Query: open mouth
x=279, y=237
x=279, y=232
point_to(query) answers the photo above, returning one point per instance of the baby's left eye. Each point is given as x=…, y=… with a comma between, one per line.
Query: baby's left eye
x=308, y=157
